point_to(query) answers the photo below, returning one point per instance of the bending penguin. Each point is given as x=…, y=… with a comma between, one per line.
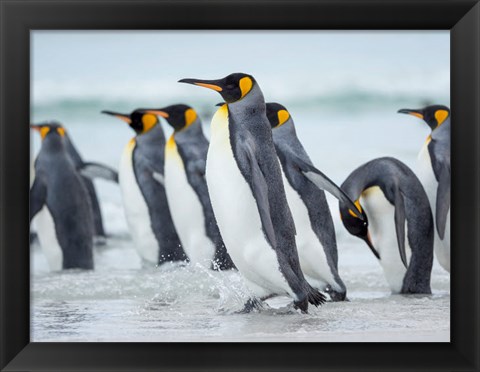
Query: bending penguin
x=304, y=185
x=91, y=170
x=186, y=188
x=434, y=173
x=248, y=197
x=61, y=204
x=397, y=222
x=143, y=191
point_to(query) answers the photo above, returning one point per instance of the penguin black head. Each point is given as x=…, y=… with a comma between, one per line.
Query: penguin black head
x=433, y=115
x=277, y=114
x=178, y=116
x=139, y=120
x=232, y=87
x=356, y=225
x=49, y=128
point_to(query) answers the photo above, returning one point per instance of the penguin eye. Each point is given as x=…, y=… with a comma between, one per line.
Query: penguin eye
x=230, y=86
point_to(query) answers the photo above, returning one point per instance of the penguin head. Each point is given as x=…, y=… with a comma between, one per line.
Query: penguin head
x=139, y=120
x=433, y=115
x=232, y=88
x=178, y=116
x=52, y=129
x=277, y=114
x=357, y=225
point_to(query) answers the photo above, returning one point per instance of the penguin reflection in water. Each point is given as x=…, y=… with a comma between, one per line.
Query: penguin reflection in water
x=434, y=173
x=186, y=188
x=248, y=198
x=397, y=222
x=304, y=185
x=143, y=192
x=60, y=198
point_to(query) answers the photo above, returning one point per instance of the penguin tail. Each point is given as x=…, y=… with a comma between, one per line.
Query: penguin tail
x=315, y=297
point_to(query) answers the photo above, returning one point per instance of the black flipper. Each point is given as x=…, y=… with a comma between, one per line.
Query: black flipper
x=400, y=220
x=320, y=180
x=38, y=197
x=260, y=191
x=443, y=202
x=96, y=170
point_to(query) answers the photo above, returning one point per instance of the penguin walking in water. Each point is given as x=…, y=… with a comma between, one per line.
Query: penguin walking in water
x=60, y=203
x=434, y=173
x=304, y=185
x=186, y=188
x=141, y=180
x=397, y=222
x=246, y=189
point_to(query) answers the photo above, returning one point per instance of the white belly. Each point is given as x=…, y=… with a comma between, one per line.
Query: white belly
x=186, y=210
x=47, y=237
x=136, y=210
x=381, y=219
x=313, y=260
x=237, y=215
x=427, y=178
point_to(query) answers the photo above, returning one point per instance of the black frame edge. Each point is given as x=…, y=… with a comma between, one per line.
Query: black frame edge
x=17, y=17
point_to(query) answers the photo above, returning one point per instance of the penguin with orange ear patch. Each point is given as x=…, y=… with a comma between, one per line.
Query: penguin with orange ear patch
x=141, y=178
x=434, y=173
x=187, y=191
x=60, y=203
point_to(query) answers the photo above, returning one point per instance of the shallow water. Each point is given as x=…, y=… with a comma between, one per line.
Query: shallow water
x=121, y=301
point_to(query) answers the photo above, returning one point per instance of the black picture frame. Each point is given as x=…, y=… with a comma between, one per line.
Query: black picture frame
x=17, y=18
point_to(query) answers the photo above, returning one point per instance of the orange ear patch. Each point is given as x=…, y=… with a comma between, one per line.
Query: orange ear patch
x=441, y=115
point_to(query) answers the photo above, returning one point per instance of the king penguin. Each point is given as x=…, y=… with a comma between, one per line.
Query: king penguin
x=60, y=203
x=304, y=185
x=397, y=222
x=186, y=188
x=434, y=173
x=141, y=180
x=248, y=197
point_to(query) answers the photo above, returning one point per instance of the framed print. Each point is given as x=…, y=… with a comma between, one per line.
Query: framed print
x=169, y=269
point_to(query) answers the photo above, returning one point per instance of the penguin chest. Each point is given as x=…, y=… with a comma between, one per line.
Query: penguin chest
x=313, y=260
x=237, y=215
x=186, y=209
x=381, y=218
x=427, y=176
x=47, y=236
x=136, y=209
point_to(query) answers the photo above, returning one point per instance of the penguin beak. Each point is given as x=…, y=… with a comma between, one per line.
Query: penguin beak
x=220, y=104
x=210, y=84
x=416, y=113
x=124, y=117
x=368, y=240
x=158, y=112
x=35, y=127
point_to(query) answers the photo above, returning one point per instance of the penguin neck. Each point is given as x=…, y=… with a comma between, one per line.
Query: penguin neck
x=72, y=151
x=154, y=136
x=252, y=103
x=192, y=130
x=53, y=144
x=286, y=140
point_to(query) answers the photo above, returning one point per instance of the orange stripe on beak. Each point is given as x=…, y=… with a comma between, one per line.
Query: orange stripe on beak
x=210, y=86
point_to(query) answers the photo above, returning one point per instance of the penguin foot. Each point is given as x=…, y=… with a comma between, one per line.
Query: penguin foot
x=315, y=297
x=302, y=305
x=336, y=296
